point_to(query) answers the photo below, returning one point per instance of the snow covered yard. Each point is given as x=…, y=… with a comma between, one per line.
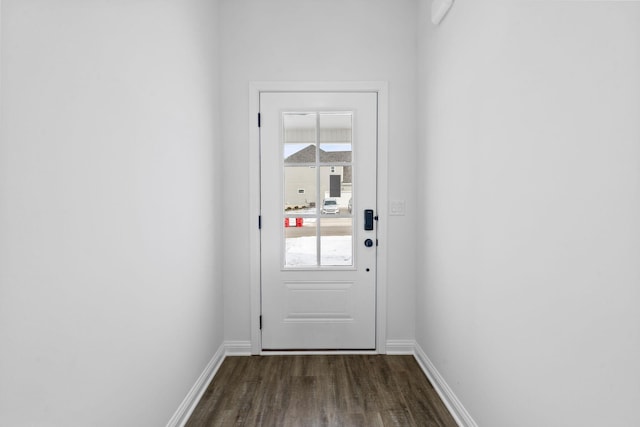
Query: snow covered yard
x=302, y=251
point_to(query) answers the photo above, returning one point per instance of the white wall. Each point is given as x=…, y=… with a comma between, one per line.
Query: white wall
x=110, y=283
x=293, y=40
x=528, y=264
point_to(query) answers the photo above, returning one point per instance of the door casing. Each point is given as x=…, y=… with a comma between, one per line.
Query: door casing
x=255, y=88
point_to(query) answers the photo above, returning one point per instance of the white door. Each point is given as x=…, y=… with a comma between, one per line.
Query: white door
x=318, y=232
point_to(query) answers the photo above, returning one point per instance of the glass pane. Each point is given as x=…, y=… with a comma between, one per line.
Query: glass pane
x=336, y=241
x=301, y=247
x=299, y=189
x=317, y=187
x=299, y=137
x=335, y=189
x=335, y=137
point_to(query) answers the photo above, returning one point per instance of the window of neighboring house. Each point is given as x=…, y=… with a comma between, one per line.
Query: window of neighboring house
x=300, y=190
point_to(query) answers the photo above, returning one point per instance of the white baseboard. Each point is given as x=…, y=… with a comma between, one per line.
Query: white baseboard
x=401, y=346
x=450, y=400
x=228, y=348
x=192, y=398
x=237, y=348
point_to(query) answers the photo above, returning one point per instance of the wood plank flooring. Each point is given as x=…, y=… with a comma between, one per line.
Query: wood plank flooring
x=323, y=390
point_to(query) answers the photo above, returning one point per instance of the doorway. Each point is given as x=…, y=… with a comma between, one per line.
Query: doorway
x=318, y=234
x=320, y=246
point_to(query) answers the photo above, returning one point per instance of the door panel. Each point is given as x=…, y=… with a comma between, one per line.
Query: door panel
x=318, y=174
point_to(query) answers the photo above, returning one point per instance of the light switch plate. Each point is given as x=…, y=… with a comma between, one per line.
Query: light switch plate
x=397, y=207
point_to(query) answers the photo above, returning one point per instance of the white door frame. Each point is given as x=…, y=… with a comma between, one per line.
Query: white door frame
x=381, y=88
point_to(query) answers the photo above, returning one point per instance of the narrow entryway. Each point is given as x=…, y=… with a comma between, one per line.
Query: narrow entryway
x=320, y=390
x=318, y=198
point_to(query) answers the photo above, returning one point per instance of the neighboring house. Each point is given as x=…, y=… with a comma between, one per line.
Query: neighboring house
x=301, y=174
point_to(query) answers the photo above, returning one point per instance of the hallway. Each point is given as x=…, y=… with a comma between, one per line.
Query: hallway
x=129, y=216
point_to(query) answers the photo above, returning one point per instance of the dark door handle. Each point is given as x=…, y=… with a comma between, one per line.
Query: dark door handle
x=368, y=243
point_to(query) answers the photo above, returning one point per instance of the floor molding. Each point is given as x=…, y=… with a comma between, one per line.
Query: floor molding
x=237, y=348
x=451, y=401
x=401, y=346
x=192, y=398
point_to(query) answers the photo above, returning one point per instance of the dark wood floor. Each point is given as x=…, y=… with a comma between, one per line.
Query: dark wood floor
x=327, y=390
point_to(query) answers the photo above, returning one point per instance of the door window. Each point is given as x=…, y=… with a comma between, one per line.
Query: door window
x=317, y=222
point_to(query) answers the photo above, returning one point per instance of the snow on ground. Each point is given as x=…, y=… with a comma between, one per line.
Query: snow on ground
x=335, y=250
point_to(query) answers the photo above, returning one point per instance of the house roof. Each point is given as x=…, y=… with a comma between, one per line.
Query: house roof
x=308, y=155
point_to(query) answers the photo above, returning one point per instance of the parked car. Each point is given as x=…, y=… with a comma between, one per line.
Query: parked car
x=330, y=206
